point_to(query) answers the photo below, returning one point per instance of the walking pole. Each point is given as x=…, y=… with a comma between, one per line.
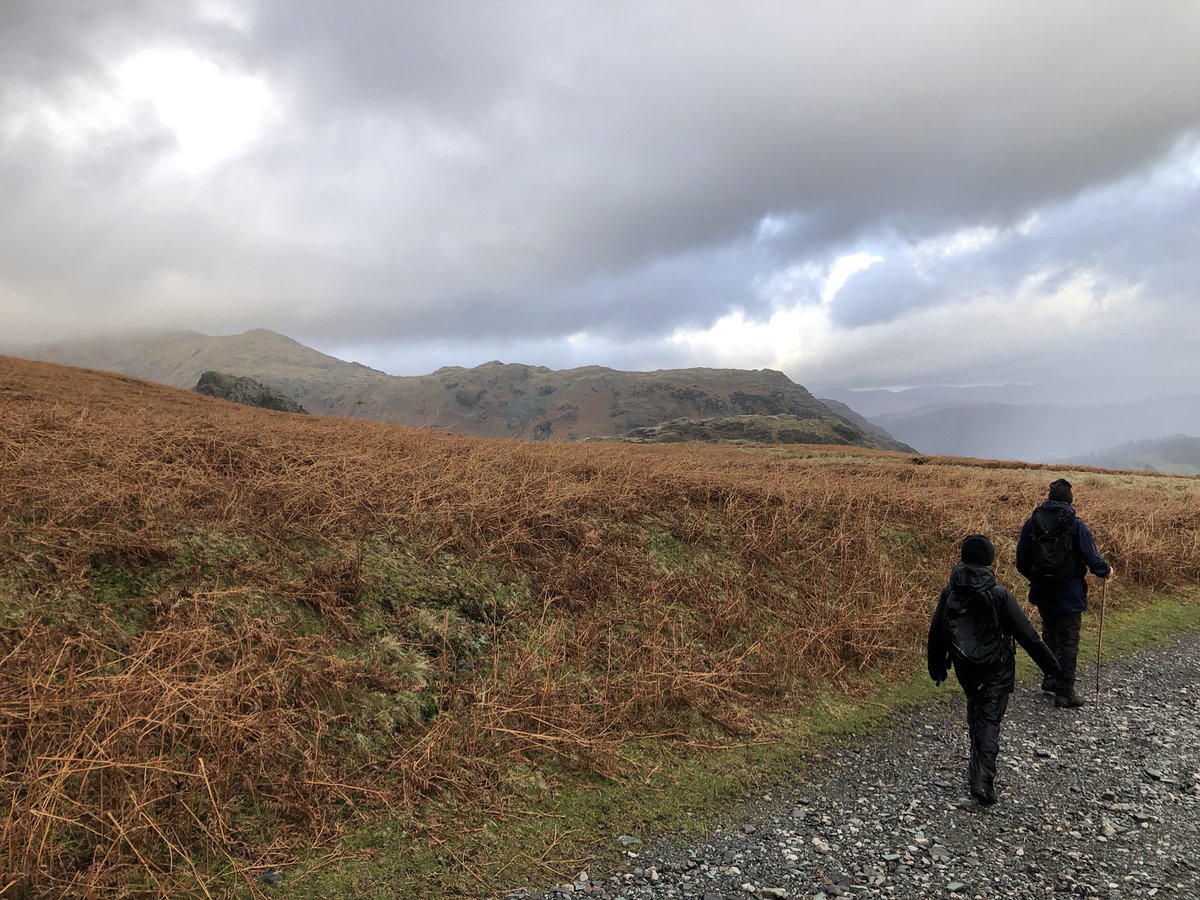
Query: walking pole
x=1100, y=636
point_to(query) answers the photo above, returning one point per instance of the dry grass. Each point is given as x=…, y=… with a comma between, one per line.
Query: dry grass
x=199, y=728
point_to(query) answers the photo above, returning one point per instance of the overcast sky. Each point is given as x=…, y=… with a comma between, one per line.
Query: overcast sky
x=857, y=193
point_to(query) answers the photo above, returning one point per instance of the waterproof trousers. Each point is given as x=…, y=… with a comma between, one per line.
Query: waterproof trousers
x=985, y=711
x=1060, y=631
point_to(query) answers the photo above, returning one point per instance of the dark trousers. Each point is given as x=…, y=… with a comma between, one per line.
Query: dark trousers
x=1060, y=631
x=985, y=712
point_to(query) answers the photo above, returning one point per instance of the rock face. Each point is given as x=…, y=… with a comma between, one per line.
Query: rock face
x=765, y=429
x=246, y=391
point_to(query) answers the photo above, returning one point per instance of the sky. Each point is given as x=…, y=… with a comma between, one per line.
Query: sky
x=862, y=194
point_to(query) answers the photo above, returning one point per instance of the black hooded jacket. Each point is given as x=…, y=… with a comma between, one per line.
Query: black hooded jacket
x=976, y=587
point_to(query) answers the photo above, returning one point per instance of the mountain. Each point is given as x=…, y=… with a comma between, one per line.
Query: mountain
x=873, y=404
x=1177, y=454
x=864, y=424
x=498, y=400
x=1039, y=433
x=178, y=358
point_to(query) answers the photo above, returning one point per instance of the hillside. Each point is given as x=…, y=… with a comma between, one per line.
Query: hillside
x=492, y=400
x=763, y=430
x=1178, y=454
x=320, y=383
x=235, y=639
x=884, y=440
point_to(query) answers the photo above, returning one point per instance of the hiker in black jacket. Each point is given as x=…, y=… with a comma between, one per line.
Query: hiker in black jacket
x=1055, y=551
x=973, y=627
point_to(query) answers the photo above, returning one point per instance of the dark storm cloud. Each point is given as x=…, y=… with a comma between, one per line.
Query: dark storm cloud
x=486, y=174
x=1134, y=232
x=606, y=135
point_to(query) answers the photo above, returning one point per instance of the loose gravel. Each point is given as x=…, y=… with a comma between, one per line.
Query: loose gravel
x=1102, y=801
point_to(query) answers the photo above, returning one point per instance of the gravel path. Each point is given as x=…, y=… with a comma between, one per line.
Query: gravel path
x=1102, y=801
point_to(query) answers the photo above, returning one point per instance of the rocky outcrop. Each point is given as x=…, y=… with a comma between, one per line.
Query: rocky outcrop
x=246, y=391
x=761, y=429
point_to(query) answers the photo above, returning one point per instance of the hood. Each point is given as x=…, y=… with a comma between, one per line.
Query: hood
x=1054, y=514
x=1058, y=504
x=966, y=578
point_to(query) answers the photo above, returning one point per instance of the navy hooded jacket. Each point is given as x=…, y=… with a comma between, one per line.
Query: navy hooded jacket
x=1069, y=595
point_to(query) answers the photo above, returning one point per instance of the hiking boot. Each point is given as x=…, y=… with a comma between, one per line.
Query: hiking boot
x=985, y=795
x=1068, y=701
x=1047, y=685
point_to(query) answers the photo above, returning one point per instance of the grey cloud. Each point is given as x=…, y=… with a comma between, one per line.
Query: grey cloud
x=883, y=292
x=499, y=173
x=1133, y=233
x=1001, y=347
x=666, y=145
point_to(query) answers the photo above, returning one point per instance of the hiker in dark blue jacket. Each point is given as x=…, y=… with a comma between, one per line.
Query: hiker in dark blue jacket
x=1055, y=552
x=973, y=627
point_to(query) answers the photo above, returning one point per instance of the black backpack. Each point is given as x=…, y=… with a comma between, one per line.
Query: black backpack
x=973, y=628
x=1053, y=556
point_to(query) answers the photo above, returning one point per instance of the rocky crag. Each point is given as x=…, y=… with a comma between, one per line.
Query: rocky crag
x=246, y=391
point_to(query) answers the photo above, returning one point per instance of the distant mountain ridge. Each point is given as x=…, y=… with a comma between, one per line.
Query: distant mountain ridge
x=1072, y=392
x=1177, y=454
x=505, y=400
x=1039, y=432
x=876, y=403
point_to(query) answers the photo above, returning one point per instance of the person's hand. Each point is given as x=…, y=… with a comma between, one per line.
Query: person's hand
x=1112, y=572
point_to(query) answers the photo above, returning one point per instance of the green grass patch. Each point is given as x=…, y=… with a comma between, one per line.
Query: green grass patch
x=667, y=550
x=19, y=602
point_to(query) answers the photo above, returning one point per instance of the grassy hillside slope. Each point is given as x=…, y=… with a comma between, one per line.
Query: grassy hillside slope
x=228, y=636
